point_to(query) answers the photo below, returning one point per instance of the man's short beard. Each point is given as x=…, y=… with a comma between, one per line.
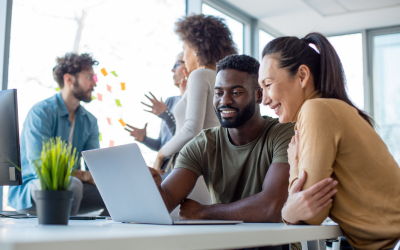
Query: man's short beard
x=79, y=93
x=242, y=115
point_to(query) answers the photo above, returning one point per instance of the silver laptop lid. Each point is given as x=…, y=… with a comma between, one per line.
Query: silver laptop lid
x=126, y=185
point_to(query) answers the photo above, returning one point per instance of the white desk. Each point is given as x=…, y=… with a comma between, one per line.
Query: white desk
x=26, y=234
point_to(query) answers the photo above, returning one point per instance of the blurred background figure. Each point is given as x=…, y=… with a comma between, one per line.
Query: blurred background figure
x=165, y=112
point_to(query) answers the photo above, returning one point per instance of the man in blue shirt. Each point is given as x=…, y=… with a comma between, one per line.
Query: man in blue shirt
x=61, y=116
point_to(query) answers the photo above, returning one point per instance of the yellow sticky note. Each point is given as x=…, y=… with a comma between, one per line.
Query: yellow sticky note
x=100, y=138
x=118, y=103
x=122, y=122
x=122, y=86
x=103, y=70
x=115, y=74
x=58, y=89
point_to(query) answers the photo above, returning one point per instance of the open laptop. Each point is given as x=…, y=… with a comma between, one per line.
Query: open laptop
x=128, y=189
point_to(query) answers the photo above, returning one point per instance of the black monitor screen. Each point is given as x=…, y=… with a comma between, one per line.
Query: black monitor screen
x=9, y=139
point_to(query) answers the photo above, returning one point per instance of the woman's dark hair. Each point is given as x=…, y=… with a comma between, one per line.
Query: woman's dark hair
x=208, y=36
x=242, y=63
x=325, y=66
x=72, y=63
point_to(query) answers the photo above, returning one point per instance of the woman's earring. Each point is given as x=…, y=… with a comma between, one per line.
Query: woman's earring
x=302, y=85
x=195, y=54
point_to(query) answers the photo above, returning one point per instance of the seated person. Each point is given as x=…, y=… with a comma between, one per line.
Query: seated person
x=334, y=139
x=165, y=112
x=61, y=116
x=243, y=161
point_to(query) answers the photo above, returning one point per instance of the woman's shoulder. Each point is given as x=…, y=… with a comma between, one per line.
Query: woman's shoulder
x=198, y=73
x=324, y=105
x=326, y=111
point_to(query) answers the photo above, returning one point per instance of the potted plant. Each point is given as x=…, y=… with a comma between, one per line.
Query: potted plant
x=55, y=166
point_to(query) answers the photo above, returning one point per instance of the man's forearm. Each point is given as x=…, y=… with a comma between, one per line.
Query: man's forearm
x=165, y=198
x=251, y=209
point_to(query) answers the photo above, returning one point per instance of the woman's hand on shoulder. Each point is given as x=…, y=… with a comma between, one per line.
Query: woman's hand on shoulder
x=304, y=205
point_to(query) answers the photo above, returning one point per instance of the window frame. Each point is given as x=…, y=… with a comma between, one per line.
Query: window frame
x=369, y=84
x=251, y=25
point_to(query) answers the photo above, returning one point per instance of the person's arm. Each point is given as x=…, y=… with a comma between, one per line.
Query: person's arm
x=197, y=93
x=176, y=187
x=169, y=119
x=262, y=207
x=153, y=144
x=180, y=182
x=92, y=143
x=319, y=136
x=140, y=136
x=37, y=128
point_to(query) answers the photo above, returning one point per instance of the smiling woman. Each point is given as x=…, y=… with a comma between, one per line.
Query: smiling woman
x=335, y=139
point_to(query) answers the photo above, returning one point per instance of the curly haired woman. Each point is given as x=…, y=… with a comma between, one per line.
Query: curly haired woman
x=206, y=40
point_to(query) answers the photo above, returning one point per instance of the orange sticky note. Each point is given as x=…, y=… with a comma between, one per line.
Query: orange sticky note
x=111, y=143
x=103, y=70
x=99, y=97
x=122, y=122
x=109, y=120
x=122, y=86
x=108, y=87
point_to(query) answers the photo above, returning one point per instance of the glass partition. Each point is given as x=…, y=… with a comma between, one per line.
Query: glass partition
x=236, y=27
x=134, y=42
x=349, y=50
x=386, y=86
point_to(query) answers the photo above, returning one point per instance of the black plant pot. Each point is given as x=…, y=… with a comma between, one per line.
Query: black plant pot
x=53, y=207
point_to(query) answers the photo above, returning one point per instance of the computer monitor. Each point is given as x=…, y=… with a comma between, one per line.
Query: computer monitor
x=9, y=139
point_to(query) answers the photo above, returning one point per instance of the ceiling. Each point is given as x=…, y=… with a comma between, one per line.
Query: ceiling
x=330, y=17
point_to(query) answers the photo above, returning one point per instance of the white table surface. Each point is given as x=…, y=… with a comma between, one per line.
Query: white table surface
x=21, y=234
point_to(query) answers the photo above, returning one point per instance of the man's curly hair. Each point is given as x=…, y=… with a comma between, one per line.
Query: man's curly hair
x=72, y=63
x=208, y=36
x=242, y=63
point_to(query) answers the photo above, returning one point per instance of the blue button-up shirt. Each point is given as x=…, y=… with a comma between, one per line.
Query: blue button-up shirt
x=46, y=119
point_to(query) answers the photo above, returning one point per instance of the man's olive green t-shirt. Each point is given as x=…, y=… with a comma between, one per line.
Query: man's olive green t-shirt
x=234, y=172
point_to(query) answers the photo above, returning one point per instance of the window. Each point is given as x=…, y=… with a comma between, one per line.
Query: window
x=349, y=49
x=236, y=27
x=386, y=86
x=264, y=39
x=137, y=41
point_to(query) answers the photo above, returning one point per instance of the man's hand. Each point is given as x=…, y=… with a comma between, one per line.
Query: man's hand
x=159, y=162
x=137, y=133
x=293, y=151
x=304, y=205
x=156, y=176
x=158, y=107
x=191, y=210
x=84, y=176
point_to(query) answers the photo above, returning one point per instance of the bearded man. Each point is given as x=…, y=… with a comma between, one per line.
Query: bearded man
x=244, y=161
x=61, y=116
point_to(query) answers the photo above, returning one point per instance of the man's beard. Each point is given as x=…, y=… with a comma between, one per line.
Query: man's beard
x=242, y=116
x=81, y=94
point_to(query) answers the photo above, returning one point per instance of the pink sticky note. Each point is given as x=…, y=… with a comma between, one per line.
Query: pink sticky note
x=109, y=120
x=111, y=143
x=108, y=87
x=99, y=97
x=95, y=78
